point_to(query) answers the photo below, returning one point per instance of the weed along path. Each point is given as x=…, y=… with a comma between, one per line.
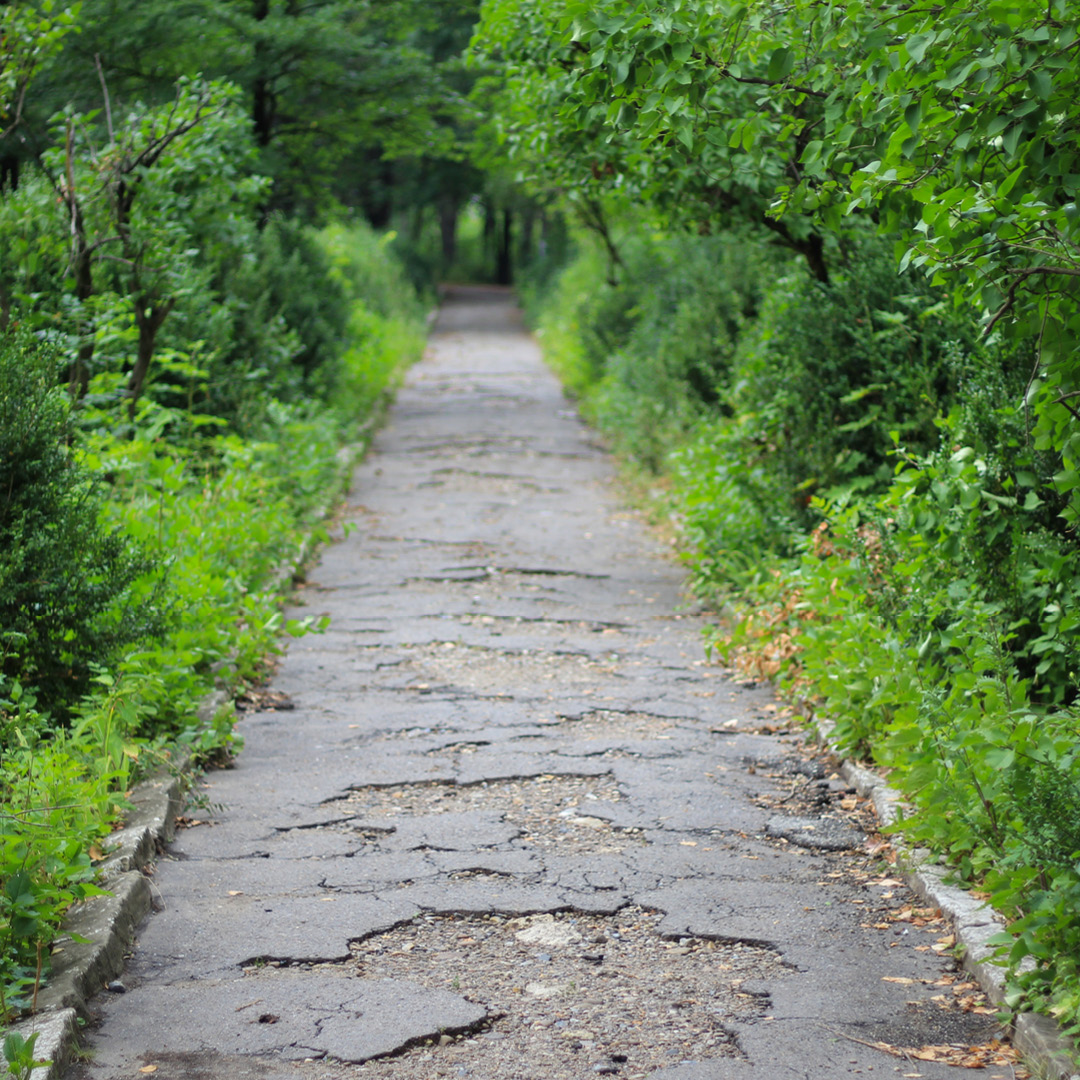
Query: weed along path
x=511, y=826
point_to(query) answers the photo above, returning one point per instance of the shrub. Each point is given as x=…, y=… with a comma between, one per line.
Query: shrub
x=651, y=352
x=830, y=371
x=855, y=471
x=284, y=321
x=72, y=590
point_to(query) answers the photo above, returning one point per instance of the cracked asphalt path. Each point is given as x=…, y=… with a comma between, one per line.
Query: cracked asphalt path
x=513, y=826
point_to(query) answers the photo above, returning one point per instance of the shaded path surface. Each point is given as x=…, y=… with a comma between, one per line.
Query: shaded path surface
x=513, y=826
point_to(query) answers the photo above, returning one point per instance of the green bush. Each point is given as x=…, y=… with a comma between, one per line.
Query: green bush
x=735, y=510
x=72, y=589
x=830, y=371
x=107, y=520
x=284, y=321
x=651, y=351
x=363, y=265
x=936, y=628
x=296, y=278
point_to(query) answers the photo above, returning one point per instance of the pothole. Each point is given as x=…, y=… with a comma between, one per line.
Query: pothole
x=541, y=626
x=570, y=995
x=564, y=814
x=817, y=809
x=604, y=725
x=472, y=446
x=492, y=483
x=492, y=671
x=459, y=748
x=491, y=588
x=415, y=732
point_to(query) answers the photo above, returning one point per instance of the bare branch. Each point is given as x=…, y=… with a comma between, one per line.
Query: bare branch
x=755, y=80
x=105, y=95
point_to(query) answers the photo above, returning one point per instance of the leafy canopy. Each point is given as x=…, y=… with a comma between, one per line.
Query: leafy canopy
x=954, y=128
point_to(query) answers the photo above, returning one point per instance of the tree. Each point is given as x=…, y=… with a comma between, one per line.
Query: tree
x=141, y=219
x=29, y=37
x=644, y=101
x=324, y=83
x=953, y=128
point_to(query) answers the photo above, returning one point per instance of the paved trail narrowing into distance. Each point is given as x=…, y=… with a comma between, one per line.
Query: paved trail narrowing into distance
x=513, y=826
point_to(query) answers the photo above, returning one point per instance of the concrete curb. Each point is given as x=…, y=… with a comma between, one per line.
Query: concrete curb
x=1036, y=1036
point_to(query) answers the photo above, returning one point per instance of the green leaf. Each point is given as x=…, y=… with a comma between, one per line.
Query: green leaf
x=781, y=64
x=917, y=45
x=958, y=74
x=1011, y=139
x=684, y=131
x=1041, y=84
x=1010, y=182
x=681, y=51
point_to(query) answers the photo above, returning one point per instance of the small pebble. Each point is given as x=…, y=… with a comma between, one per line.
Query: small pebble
x=116, y=987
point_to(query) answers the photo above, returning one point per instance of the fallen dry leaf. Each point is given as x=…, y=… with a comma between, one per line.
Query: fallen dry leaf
x=966, y=1057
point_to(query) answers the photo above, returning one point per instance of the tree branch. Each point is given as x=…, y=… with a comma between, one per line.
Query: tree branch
x=755, y=80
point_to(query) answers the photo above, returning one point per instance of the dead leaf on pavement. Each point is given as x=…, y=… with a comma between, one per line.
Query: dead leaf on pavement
x=992, y=1053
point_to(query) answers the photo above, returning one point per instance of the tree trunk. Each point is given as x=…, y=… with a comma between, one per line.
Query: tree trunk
x=489, y=235
x=813, y=251
x=148, y=319
x=416, y=222
x=263, y=111
x=448, y=221
x=82, y=269
x=528, y=229
x=504, y=265
x=263, y=99
x=9, y=172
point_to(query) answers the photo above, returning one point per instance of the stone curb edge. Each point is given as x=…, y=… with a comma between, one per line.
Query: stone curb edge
x=1036, y=1036
x=91, y=948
